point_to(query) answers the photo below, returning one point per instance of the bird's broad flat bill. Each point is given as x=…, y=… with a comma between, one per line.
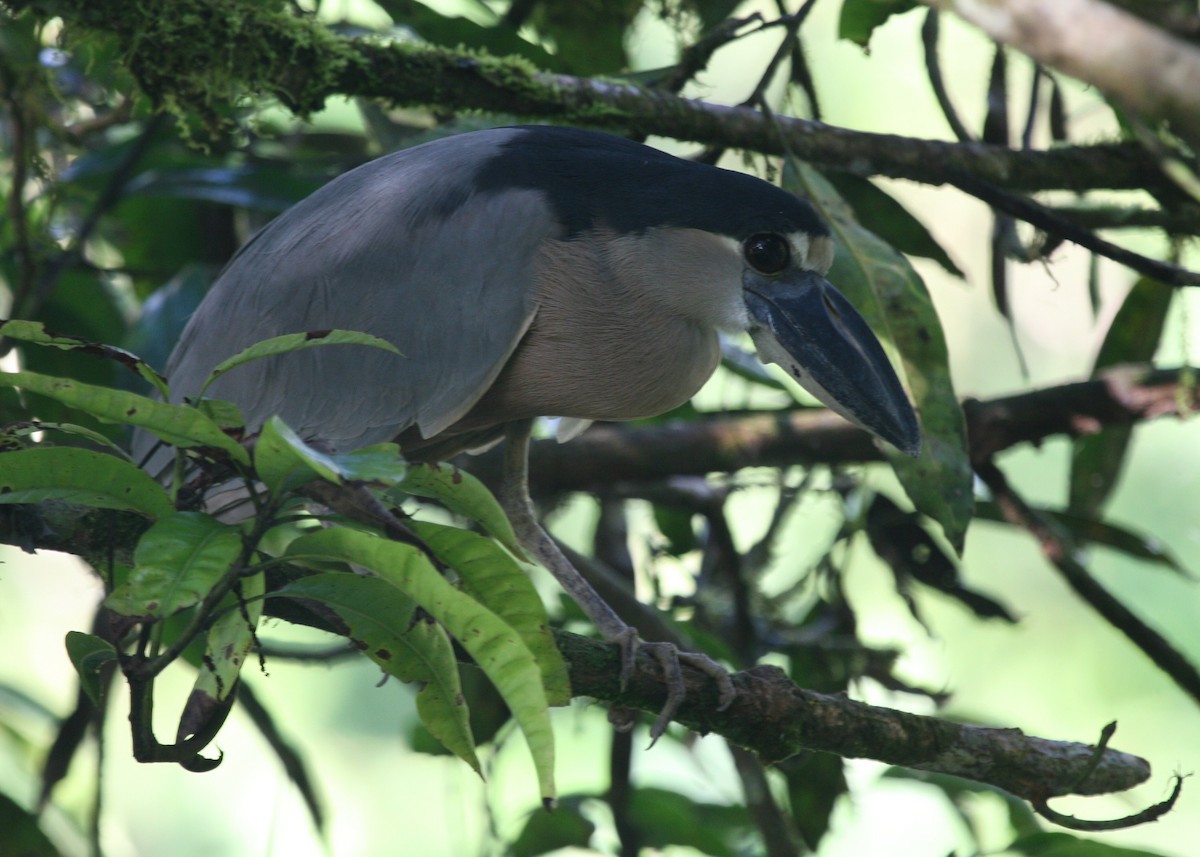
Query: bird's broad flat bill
x=805, y=325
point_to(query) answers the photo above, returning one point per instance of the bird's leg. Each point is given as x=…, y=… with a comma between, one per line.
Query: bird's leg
x=514, y=494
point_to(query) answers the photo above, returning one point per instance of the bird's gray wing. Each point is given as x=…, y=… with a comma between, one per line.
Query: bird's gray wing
x=400, y=248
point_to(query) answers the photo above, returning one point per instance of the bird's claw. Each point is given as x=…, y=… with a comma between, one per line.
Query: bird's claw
x=670, y=659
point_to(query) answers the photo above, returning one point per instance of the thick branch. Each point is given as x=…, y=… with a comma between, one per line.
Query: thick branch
x=776, y=719
x=300, y=62
x=1141, y=66
x=609, y=454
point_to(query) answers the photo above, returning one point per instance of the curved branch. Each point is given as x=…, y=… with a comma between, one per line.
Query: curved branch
x=776, y=719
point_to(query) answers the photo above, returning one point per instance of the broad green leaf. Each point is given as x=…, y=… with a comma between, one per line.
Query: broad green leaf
x=81, y=476
x=496, y=647
x=178, y=425
x=381, y=464
x=90, y=654
x=463, y=494
x=883, y=214
x=860, y=18
x=491, y=576
x=35, y=332
x=1098, y=459
x=176, y=564
x=893, y=299
x=289, y=342
x=230, y=639
x=379, y=619
x=282, y=460
x=1060, y=844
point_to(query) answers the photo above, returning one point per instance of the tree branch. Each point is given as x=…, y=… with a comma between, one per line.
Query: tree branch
x=607, y=453
x=1133, y=62
x=302, y=63
x=776, y=719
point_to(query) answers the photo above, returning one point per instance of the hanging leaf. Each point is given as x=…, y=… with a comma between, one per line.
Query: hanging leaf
x=82, y=476
x=493, y=578
x=380, y=620
x=860, y=18
x=1097, y=460
x=893, y=299
x=90, y=655
x=177, y=562
x=881, y=213
x=495, y=646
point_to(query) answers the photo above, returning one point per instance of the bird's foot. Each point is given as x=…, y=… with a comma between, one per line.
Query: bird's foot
x=670, y=659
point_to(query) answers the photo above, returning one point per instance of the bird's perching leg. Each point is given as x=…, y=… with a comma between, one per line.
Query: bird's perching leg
x=514, y=494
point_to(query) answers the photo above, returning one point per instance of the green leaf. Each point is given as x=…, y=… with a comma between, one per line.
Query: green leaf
x=283, y=461
x=1060, y=844
x=178, y=425
x=664, y=818
x=379, y=618
x=883, y=214
x=35, y=332
x=496, y=647
x=1098, y=459
x=546, y=832
x=493, y=578
x=893, y=299
x=21, y=835
x=290, y=342
x=463, y=494
x=176, y=564
x=90, y=654
x=81, y=476
x=230, y=639
x=860, y=18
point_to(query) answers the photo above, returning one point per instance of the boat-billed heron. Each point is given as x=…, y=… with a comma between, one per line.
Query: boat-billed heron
x=525, y=272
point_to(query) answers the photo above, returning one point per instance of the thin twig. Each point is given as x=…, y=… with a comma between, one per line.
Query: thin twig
x=1059, y=550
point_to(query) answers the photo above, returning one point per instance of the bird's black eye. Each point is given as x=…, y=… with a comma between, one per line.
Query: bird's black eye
x=767, y=253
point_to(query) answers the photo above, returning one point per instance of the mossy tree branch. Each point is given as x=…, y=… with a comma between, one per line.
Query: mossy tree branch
x=199, y=56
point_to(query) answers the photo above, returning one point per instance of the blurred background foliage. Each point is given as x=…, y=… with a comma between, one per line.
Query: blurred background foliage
x=119, y=215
